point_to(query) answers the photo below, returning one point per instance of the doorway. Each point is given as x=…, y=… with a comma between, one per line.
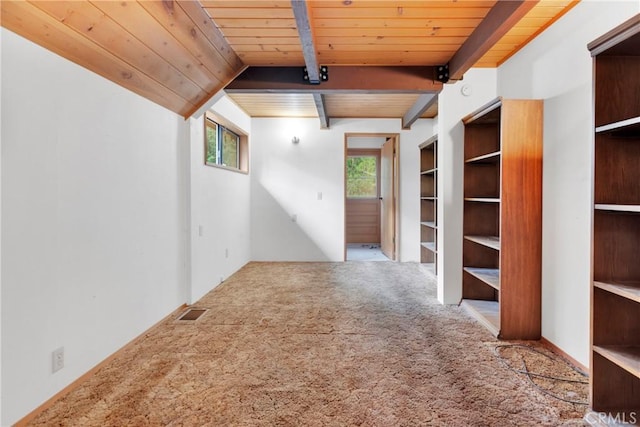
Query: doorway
x=371, y=170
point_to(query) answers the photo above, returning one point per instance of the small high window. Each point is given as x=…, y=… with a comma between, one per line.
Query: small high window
x=225, y=145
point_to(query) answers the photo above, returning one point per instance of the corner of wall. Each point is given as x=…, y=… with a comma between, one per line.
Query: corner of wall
x=95, y=226
x=453, y=105
x=557, y=67
x=219, y=239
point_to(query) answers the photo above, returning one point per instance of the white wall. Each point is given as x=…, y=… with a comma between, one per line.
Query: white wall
x=220, y=209
x=93, y=220
x=286, y=179
x=557, y=67
x=365, y=142
x=452, y=107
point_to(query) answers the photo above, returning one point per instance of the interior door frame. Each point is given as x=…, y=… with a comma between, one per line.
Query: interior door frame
x=366, y=152
x=396, y=186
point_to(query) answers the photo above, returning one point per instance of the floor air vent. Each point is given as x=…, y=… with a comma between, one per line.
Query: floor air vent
x=192, y=314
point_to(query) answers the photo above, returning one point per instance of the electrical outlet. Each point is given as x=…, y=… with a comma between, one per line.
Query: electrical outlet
x=57, y=359
x=226, y=253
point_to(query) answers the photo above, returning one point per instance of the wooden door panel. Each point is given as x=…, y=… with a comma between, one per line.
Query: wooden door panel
x=363, y=221
x=387, y=194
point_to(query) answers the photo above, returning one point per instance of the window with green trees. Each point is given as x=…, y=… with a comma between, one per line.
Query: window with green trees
x=362, y=176
x=222, y=145
x=226, y=145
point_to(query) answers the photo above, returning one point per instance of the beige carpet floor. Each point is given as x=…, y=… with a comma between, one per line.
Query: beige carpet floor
x=320, y=344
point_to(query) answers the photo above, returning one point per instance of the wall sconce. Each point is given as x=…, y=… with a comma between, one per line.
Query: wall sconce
x=295, y=140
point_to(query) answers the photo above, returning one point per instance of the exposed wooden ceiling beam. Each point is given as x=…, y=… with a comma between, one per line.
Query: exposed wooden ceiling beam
x=359, y=79
x=421, y=105
x=499, y=20
x=301, y=13
x=318, y=98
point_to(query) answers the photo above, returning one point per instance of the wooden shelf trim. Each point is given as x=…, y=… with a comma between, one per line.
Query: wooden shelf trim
x=482, y=111
x=612, y=38
x=482, y=199
x=492, y=242
x=485, y=158
x=429, y=143
x=627, y=357
x=617, y=208
x=502, y=174
x=431, y=246
x=621, y=125
x=629, y=291
x=490, y=276
x=428, y=201
x=615, y=301
x=486, y=312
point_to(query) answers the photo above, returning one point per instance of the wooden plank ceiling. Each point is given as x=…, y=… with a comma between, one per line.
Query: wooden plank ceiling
x=382, y=55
